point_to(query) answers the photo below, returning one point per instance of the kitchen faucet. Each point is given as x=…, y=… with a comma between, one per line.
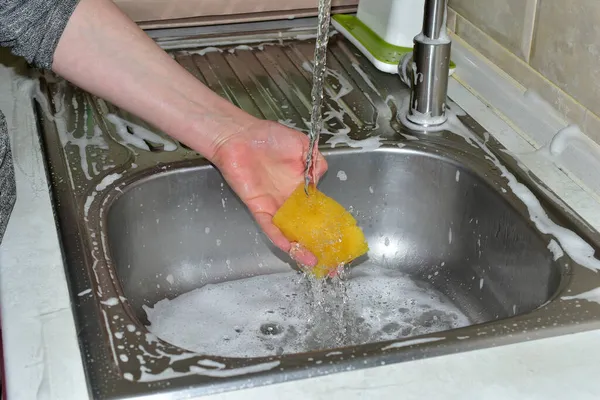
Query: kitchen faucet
x=425, y=70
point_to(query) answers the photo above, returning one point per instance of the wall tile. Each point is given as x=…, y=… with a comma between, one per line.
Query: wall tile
x=451, y=20
x=503, y=20
x=566, y=48
x=520, y=71
x=591, y=126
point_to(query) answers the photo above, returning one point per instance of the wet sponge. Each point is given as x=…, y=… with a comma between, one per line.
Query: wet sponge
x=323, y=226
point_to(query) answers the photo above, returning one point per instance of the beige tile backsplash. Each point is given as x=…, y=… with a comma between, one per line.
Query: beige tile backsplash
x=549, y=46
x=503, y=20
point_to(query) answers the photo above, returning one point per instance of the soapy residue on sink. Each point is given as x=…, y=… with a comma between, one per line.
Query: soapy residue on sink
x=592, y=295
x=572, y=244
x=336, y=93
x=139, y=135
x=278, y=314
x=91, y=138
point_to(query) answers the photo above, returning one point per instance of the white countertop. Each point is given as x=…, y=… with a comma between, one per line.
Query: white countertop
x=40, y=346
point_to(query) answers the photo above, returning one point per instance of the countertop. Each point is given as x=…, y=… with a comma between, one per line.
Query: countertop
x=41, y=352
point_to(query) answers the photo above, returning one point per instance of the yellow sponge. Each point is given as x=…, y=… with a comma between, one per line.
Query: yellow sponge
x=322, y=226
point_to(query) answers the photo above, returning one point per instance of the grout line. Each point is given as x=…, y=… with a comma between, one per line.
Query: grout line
x=529, y=28
x=515, y=59
x=453, y=13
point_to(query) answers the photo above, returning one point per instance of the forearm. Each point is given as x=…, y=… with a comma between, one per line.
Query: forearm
x=103, y=52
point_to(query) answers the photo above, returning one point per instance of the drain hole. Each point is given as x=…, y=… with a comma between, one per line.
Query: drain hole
x=271, y=329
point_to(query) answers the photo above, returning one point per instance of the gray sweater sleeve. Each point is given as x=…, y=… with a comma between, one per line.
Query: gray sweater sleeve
x=32, y=28
x=8, y=190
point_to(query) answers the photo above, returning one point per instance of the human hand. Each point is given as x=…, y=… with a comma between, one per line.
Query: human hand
x=264, y=163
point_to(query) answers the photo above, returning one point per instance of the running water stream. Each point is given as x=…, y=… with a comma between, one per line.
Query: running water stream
x=319, y=70
x=278, y=314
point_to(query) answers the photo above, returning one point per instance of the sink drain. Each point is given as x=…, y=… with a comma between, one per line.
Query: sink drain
x=271, y=329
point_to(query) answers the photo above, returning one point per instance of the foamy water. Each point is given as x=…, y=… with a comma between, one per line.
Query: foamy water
x=285, y=313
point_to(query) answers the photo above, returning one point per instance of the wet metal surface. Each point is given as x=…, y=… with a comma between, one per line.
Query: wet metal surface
x=133, y=205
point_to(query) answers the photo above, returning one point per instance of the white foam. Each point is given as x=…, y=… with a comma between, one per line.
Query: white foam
x=88, y=204
x=139, y=134
x=368, y=144
x=555, y=249
x=206, y=50
x=107, y=181
x=113, y=301
x=341, y=175
x=110, y=339
x=413, y=342
x=169, y=373
x=86, y=141
x=231, y=318
x=593, y=296
x=83, y=293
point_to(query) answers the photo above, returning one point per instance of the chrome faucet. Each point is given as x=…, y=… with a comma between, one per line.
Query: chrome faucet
x=425, y=70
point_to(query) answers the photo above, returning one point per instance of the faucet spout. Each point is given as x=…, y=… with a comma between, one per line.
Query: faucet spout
x=426, y=69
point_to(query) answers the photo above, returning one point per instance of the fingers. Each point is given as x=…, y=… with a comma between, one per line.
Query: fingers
x=302, y=256
x=298, y=253
x=321, y=165
x=274, y=234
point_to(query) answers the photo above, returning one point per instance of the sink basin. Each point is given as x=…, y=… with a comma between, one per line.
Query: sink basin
x=176, y=292
x=425, y=216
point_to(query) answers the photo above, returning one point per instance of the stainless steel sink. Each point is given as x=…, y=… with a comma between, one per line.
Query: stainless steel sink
x=417, y=218
x=140, y=224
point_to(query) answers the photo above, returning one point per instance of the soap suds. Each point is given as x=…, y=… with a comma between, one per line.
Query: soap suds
x=592, y=296
x=275, y=314
x=107, y=181
x=113, y=301
x=368, y=144
x=140, y=134
x=169, y=373
x=336, y=91
x=555, y=249
x=342, y=176
x=412, y=342
x=206, y=50
x=91, y=139
x=88, y=203
x=83, y=293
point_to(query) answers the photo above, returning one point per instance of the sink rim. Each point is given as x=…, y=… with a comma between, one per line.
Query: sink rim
x=296, y=366
x=140, y=178
x=406, y=347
